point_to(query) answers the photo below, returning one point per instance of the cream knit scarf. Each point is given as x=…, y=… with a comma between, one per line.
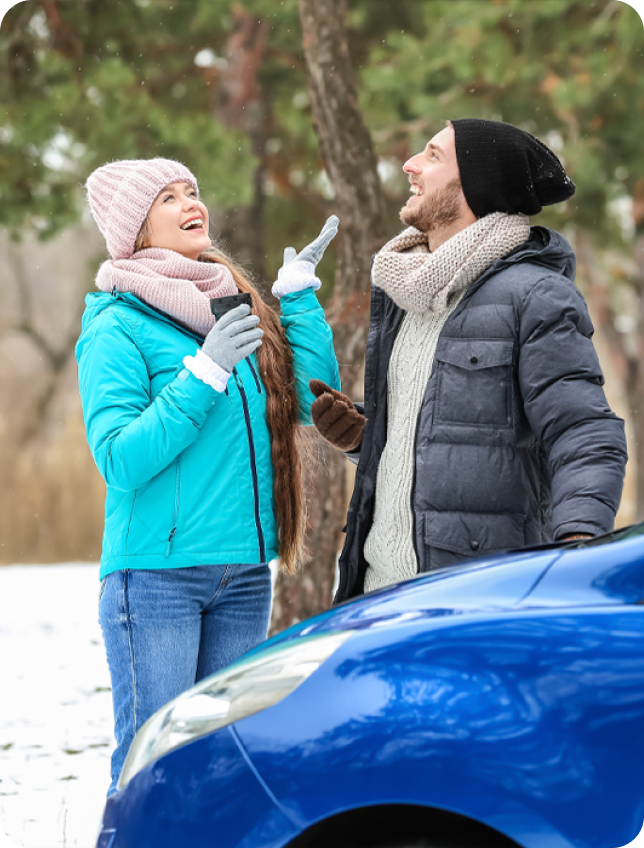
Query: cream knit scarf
x=168, y=281
x=420, y=281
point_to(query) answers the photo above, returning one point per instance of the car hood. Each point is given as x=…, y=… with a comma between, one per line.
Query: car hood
x=491, y=583
x=601, y=573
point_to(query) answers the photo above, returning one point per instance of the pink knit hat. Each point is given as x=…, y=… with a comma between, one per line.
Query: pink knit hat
x=121, y=193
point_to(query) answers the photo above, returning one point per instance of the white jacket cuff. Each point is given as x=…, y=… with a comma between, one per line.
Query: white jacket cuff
x=295, y=277
x=204, y=369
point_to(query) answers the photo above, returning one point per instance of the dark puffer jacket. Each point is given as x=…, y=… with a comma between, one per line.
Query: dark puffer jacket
x=515, y=441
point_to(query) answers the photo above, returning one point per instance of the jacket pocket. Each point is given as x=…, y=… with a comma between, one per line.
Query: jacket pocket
x=155, y=515
x=474, y=382
x=451, y=537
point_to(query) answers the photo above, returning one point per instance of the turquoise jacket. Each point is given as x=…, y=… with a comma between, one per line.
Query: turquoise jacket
x=188, y=469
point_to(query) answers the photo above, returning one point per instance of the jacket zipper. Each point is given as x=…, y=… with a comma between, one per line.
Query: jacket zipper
x=254, y=373
x=177, y=500
x=253, y=466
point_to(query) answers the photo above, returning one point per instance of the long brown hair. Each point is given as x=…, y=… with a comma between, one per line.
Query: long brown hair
x=275, y=361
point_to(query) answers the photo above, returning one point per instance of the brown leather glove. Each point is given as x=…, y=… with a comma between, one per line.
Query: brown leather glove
x=335, y=417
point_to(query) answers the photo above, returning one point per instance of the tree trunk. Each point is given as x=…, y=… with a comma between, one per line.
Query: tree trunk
x=242, y=106
x=351, y=164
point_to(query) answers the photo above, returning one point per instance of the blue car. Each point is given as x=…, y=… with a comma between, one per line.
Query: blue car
x=498, y=703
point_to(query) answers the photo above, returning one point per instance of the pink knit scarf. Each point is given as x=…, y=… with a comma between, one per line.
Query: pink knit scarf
x=168, y=281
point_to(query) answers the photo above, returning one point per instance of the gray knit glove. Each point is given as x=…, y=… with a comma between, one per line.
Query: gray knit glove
x=298, y=271
x=234, y=337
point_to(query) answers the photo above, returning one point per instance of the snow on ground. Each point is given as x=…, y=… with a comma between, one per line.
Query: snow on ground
x=56, y=731
x=55, y=707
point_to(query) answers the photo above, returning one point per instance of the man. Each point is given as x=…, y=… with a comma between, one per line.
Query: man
x=487, y=427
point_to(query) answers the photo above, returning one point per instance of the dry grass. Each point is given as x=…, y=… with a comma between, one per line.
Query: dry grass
x=51, y=497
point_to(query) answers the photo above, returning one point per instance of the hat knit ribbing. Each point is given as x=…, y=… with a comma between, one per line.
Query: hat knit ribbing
x=121, y=193
x=505, y=169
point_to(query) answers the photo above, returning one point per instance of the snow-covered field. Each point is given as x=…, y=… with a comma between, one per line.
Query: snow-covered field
x=55, y=707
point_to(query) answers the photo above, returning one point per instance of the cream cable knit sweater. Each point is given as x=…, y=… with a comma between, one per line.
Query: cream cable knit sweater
x=389, y=548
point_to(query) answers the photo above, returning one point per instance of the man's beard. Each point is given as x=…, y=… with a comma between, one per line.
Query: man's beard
x=436, y=210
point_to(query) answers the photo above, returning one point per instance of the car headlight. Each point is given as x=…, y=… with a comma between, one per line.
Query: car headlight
x=240, y=690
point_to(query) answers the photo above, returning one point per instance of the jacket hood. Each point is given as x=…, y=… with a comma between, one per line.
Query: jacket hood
x=546, y=248
x=97, y=302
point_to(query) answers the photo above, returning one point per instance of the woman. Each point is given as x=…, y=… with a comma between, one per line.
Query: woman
x=192, y=424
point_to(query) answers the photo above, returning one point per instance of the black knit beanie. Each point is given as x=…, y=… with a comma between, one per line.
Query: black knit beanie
x=505, y=169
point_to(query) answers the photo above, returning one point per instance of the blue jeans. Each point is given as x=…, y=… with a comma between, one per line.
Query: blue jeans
x=166, y=629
